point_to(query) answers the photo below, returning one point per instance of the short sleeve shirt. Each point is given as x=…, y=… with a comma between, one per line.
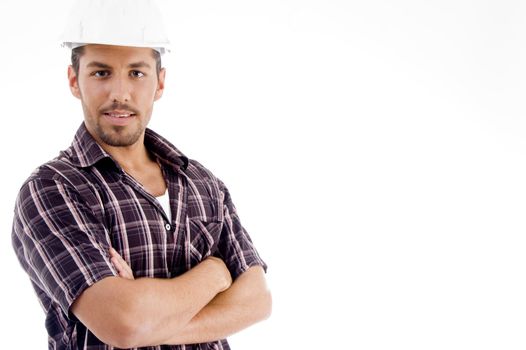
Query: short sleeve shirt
x=71, y=210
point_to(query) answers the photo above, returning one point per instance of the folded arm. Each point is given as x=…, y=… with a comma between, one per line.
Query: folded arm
x=246, y=302
x=147, y=311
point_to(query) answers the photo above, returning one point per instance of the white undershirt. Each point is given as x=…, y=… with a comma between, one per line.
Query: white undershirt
x=165, y=203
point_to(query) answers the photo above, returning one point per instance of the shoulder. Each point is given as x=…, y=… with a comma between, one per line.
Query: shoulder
x=206, y=192
x=53, y=171
x=197, y=171
x=57, y=177
x=201, y=175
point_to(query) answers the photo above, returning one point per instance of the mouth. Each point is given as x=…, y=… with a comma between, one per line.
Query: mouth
x=119, y=117
x=119, y=114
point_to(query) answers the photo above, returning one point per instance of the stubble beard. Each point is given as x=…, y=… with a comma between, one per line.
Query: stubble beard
x=115, y=136
x=118, y=136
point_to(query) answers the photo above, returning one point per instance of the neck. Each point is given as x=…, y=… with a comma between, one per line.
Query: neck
x=130, y=158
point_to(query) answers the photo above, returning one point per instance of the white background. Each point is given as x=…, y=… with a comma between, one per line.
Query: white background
x=374, y=149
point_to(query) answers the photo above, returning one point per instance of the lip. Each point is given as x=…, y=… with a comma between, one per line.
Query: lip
x=119, y=117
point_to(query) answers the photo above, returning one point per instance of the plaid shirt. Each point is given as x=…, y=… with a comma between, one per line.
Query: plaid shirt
x=73, y=208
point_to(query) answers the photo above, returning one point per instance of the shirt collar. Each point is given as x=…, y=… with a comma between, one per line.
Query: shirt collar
x=85, y=151
x=164, y=150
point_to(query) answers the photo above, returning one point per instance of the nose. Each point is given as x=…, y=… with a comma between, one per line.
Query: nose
x=120, y=89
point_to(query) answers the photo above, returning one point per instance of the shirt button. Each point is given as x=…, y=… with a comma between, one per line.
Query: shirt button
x=168, y=227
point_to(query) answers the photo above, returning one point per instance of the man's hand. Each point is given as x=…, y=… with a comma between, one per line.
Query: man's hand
x=120, y=264
x=126, y=272
x=222, y=270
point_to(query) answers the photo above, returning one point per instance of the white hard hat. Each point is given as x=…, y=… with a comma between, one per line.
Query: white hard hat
x=115, y=22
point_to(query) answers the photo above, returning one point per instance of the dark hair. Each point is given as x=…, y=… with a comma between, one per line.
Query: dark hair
x=77, y=52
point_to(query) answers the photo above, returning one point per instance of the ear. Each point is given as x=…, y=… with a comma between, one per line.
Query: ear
x=160, y=84
x=73, y=82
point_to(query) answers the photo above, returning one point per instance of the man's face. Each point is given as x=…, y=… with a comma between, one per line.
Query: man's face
x=117, y=86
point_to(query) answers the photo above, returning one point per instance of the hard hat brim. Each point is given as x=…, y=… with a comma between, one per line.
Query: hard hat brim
x=162, y=48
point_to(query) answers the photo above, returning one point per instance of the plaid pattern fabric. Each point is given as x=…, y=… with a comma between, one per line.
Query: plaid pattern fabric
x=73, y=208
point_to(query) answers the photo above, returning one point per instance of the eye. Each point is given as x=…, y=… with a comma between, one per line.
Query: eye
x=101, y=73
x=137, y=74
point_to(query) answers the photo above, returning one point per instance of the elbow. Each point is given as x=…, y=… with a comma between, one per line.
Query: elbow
x=114, y=313
x=121, y=339
x=124, y=334
x=265, y=302
x=261, y=299
x=268, y=305
x=129, y=335
x=125, y=328
x=130, y=340
x=135, y=330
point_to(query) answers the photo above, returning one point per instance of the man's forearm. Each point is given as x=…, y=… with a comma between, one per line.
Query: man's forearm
x=246, y=302
x=142, y=312
x=186, y=298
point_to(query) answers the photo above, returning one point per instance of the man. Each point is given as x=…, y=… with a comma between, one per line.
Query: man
x=127, y=242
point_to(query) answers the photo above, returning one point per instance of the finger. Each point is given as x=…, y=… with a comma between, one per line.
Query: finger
x=113, y=252
x=126, y=267
x=118, y=258
x=117, y=264
x=121, y=264
x=124, y=273
x=130, y=271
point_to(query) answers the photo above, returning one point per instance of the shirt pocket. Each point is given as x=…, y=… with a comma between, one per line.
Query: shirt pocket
x=204, y=223
x=202, y=234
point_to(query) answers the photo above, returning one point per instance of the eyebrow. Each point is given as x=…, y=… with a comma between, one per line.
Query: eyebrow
x=98, y=65
x=139, y=64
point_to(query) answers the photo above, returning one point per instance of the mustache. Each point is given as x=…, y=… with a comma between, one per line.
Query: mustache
x=118, y=106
